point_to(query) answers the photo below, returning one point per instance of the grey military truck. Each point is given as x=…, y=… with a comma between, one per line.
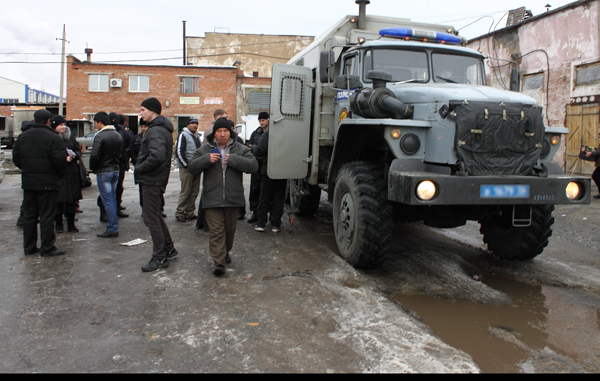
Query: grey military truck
x=394, y=120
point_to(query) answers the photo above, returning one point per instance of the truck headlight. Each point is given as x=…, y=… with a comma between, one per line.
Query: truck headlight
x=573, y=191
x=426, y=190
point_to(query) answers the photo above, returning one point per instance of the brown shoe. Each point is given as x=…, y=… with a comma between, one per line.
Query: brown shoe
x=180, y=219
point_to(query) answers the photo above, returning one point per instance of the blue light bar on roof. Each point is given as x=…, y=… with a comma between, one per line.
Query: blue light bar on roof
x=425, y=35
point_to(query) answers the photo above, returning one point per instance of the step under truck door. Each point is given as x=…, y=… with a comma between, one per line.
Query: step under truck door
x=289, y=125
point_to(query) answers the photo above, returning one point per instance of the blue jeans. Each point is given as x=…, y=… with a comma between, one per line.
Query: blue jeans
x=107, y=186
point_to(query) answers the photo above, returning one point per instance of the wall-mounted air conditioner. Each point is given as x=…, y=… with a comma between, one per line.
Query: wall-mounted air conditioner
x=116, y=82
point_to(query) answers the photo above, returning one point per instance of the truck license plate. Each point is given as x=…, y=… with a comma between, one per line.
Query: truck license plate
x=504, y=191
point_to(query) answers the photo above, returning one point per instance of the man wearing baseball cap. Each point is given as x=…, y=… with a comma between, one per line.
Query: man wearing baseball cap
x=185, y=148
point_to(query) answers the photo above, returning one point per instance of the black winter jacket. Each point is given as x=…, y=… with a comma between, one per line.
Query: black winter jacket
x=106, y=151
x=154, y=161
x=70, y=190
x=42, y=158
x=261, y=150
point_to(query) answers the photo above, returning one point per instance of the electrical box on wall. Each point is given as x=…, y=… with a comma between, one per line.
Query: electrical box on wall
x=116, y=82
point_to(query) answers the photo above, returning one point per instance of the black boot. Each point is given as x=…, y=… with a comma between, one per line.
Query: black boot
x=71, y=223
x=103, y=216
x=253, y=218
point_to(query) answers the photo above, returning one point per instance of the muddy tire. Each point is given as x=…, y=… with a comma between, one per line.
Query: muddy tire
x=362, y=215
x=518, y=243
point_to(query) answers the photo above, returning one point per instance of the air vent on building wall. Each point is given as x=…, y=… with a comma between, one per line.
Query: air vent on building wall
x=518, y=15
x=116, y=82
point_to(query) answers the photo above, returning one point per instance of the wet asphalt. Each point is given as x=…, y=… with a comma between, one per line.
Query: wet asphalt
x=287, y=303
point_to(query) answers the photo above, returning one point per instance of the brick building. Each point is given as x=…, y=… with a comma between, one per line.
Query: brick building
x=558, y=54
x=184, y=91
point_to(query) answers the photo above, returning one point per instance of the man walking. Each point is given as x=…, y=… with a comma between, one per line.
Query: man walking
x=41, y=155
x=185, y=148
x=152, y=174
x=104, y=162
x=223, y=161
x=255, y=178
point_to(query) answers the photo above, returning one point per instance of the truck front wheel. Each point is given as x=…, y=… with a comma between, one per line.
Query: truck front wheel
x=362, y=214
x=518, y=243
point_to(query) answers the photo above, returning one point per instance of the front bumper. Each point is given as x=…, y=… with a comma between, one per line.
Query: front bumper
x=467, y=190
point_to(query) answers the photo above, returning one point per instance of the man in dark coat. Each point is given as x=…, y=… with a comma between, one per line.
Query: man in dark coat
x=104, y=162
x=272, y=191
x=70, y=190
x=223, y=160
x=42, y=158
x=255, y=178
x=152, y=174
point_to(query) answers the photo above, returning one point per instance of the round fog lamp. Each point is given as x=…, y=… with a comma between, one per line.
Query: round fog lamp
x=572, y=191
x=395, y=133
x=426, y=190
x=555, y=139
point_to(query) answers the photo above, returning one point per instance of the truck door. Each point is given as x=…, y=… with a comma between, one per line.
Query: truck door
x=289, y=124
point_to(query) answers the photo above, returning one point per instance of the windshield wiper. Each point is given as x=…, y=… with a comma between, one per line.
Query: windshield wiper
x=407, y=81
x=446, y=79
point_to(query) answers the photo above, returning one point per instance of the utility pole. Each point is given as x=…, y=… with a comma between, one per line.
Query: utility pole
x=62, y=72
x=184, y=55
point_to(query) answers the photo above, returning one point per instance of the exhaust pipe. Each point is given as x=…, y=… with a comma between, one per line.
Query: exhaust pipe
x=362, y=10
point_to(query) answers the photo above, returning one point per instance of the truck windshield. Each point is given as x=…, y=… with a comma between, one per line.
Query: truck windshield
x=452, y=68
x=403, y=65
x=412, y=66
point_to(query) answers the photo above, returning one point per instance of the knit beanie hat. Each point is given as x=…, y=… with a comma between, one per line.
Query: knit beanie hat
x=57, y=120
x=192, y=120
x=41, y=115
x=222, y=123
x=263, y=115
x=152, y=104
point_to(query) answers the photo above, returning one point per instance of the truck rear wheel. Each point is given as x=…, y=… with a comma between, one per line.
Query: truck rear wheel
x=362, y=214
x=518, y=243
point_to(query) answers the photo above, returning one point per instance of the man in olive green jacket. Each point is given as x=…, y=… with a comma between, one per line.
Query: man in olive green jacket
x=223, y=161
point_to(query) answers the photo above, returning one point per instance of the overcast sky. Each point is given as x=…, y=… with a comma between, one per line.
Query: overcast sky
x=151, y=32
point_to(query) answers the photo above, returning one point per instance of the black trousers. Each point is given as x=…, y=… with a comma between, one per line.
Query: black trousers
x=39, y=206
x=120, y=186
x=272, y=194
x=254, y=198
x=161, y=237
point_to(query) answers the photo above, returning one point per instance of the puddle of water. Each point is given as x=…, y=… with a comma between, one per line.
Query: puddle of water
x=545, y=329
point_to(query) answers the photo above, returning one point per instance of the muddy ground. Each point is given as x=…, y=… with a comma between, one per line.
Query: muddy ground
x=289, y=303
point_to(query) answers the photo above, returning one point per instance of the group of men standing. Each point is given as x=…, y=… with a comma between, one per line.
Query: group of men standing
x=221, y=157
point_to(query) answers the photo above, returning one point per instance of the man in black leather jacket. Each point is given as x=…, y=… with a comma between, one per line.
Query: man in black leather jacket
x=104, y=162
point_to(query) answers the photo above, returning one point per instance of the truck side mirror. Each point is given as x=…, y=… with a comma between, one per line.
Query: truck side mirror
x=326, y=62
x=350, y=82
x=515, y=80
